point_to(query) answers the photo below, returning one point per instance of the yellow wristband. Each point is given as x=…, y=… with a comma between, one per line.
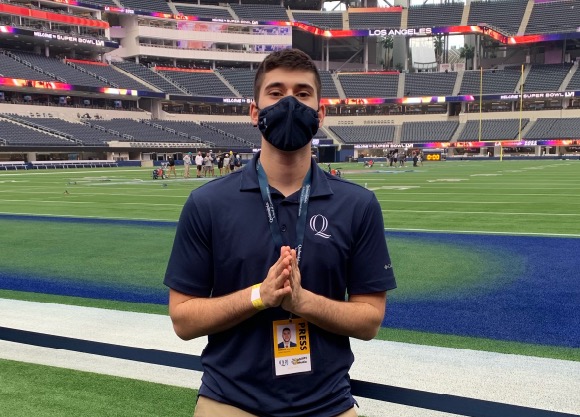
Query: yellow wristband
x=256, y=299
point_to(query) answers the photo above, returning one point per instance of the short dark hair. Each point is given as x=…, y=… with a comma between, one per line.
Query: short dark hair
x=289, y=59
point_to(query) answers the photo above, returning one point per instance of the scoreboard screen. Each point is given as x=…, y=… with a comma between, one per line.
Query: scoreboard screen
x=432, y=156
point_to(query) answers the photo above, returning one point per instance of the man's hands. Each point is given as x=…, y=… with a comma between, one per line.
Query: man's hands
x=275, y=287
x=292, y=301
x=282, y=286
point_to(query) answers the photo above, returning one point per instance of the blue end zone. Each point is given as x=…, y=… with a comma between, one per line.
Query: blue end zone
x=85, y=220
x=538, y=306
x=83, y=289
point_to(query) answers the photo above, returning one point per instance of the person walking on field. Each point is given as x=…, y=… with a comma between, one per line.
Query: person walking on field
x=315, y=267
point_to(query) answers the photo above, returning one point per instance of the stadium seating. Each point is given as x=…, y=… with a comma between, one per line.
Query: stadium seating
x=554, y=16
x=328, y=86
x=149, y=77
x=574, y=83
x=62, y=70
x=492, y=129
x=141, y=132
x=17, y=135
x=494, y=81
x=369, y=85
x=546, y=77
x=11, y=68
x=12, y=165
x=430, y=84
x=244, y=131
x=324, y=20
x=505, y=15
x=418, y=132
x=213, y=2
x=80, y=132
x=374, y=20
x=148, y=6
x=241, y=79
x=554, y=129
x=73, y=164
x=433, y=15
x=105, y=2
x=199, y=83
x=365, y=134
x=113, y=76
x=206, y=134
x=260, y=12
x=200, y=11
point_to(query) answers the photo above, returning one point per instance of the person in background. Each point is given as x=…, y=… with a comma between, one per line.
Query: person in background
x=301, y=249
x=171, y=167
x=208, y=165
x=227, y=163
x=199, y=163
x=232, y=162
x=220, y=164
x=186, y=165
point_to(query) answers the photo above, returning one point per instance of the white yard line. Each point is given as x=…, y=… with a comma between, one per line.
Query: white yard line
x=499, y=213
x=526, y=381
x=481, y=232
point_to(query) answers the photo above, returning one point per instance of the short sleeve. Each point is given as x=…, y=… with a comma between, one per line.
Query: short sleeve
x=189, y=270
x=371, y=268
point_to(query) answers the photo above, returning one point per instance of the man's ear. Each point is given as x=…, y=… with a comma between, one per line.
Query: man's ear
x=321, y=114
x=254, y=113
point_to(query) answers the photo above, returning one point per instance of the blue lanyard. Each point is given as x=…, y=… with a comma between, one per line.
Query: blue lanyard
x=271, y=213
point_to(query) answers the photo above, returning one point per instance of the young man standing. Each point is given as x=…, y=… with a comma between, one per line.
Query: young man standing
x=318, y=262
x=199, y=163
x=186, y=164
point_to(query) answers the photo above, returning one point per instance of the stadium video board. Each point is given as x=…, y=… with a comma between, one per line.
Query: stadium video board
x=58, y=86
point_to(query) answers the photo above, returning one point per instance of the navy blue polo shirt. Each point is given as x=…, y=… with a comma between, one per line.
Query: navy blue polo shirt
x=224, y=244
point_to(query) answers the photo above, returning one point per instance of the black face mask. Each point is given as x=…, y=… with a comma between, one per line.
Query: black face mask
x=288, y=124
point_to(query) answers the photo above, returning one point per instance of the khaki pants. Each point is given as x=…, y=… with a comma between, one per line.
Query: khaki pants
x=206, y=407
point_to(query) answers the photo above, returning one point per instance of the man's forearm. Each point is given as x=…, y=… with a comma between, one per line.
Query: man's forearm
x=360, y=317
x=195, y=317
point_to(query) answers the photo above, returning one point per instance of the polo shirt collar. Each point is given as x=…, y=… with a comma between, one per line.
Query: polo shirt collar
x=320, y=184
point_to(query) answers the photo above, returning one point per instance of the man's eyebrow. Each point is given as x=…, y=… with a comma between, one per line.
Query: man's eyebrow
x=277, y=84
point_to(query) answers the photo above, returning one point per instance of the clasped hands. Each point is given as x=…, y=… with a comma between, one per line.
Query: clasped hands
x=282, y=287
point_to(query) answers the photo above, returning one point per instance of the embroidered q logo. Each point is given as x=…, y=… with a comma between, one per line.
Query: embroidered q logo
x=319, y=224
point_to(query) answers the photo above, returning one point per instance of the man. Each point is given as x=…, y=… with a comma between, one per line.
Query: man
x=186, y=164
x=171, y=167
x=208, y=164
x=286, y=339
x=248, y=280
x=199, y=163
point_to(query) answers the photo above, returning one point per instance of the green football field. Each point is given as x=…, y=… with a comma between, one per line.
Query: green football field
x=531, y=196
x=513, y=198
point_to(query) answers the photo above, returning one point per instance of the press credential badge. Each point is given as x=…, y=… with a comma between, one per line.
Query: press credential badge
x=291, y=347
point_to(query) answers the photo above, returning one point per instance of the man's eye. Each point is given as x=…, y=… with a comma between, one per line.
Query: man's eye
x=275, y=93
x=303, y=94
